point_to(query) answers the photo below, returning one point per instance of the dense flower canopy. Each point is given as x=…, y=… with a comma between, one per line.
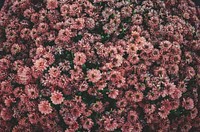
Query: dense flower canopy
x=99, y=65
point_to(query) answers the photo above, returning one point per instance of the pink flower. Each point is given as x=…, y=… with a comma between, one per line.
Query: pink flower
x=127, y=127
x=110, y=124
x=113, y=93
x=24, y=75
x=33, y=118
x=44, y=107
x=32, y=91
x=94, y=75
x=88, y=124
x=176, y=93
x=98, y=106
x=16, y=48
x=132, y=116
x=78, y=24
x=149, y=109
x=4, y=64
x=42, y=27
x=193, y=113
x=79, y=58
x=41, y=64
x=52, y=4
x=137, y=96
x=54, y=72
x=6, y=114
x=57, y=97
x=117, y=60
x=163, y=112
x=188, y=103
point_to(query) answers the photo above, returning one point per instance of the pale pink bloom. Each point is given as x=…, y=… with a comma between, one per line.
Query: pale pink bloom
x=64, y=35
x=88, y=124
x=78, y=24
x=163, y=112
x=33, y=118
x=24, y=75
x=132, y=116
x=44, y=107
x=165, y=45
x=190, y=72
x=127, y=127
x=4, y=64
x=129, y=95
x=98, y=106
x=137, y=96
x=173, y=69
x=155, y=54
x=176, y=94
x=42, y=27
x=49, y=57
x=57, y=97
x=188, y=103
x=149, y=108
x=76, y=112
x=113, y=93
x=54, y=72
x=167, y=104
x=83, y=86
x=185, y=127
x=122, y=103
x=6, y=114
x=137, y=127
x=117, y=60
x=41, y=64
x=94, y=75
x=79, y=58
x=132, y=48
x=8, y=101
x=32, y=91
x=110, y=124
x=52, y=4
x=175, y=104
x=193, y=113
x=69, y=119
x=133, y=59
x=16, y=48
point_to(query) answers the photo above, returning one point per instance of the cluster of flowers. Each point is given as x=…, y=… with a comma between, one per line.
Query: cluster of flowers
x=99, y=65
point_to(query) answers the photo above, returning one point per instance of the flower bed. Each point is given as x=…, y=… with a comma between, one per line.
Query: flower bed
x=99, y=65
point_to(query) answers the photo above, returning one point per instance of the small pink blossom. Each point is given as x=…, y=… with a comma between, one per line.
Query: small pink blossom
x=57, y=97
x=79, y=58
x=188, y=103
x=41, y=64
x=44, y=107
x=52, y=4
x=94, y=75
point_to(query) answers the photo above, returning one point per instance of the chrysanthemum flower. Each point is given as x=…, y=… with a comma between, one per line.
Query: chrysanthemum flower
x=54, y=72
x=88, y=123
x=137, y=96
x=79, y=58
x=41, y=64
x=31, y=91
x=44, y=107
x=94, y=75
x=52, y=4
x=57, y=97
x=188, y=103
